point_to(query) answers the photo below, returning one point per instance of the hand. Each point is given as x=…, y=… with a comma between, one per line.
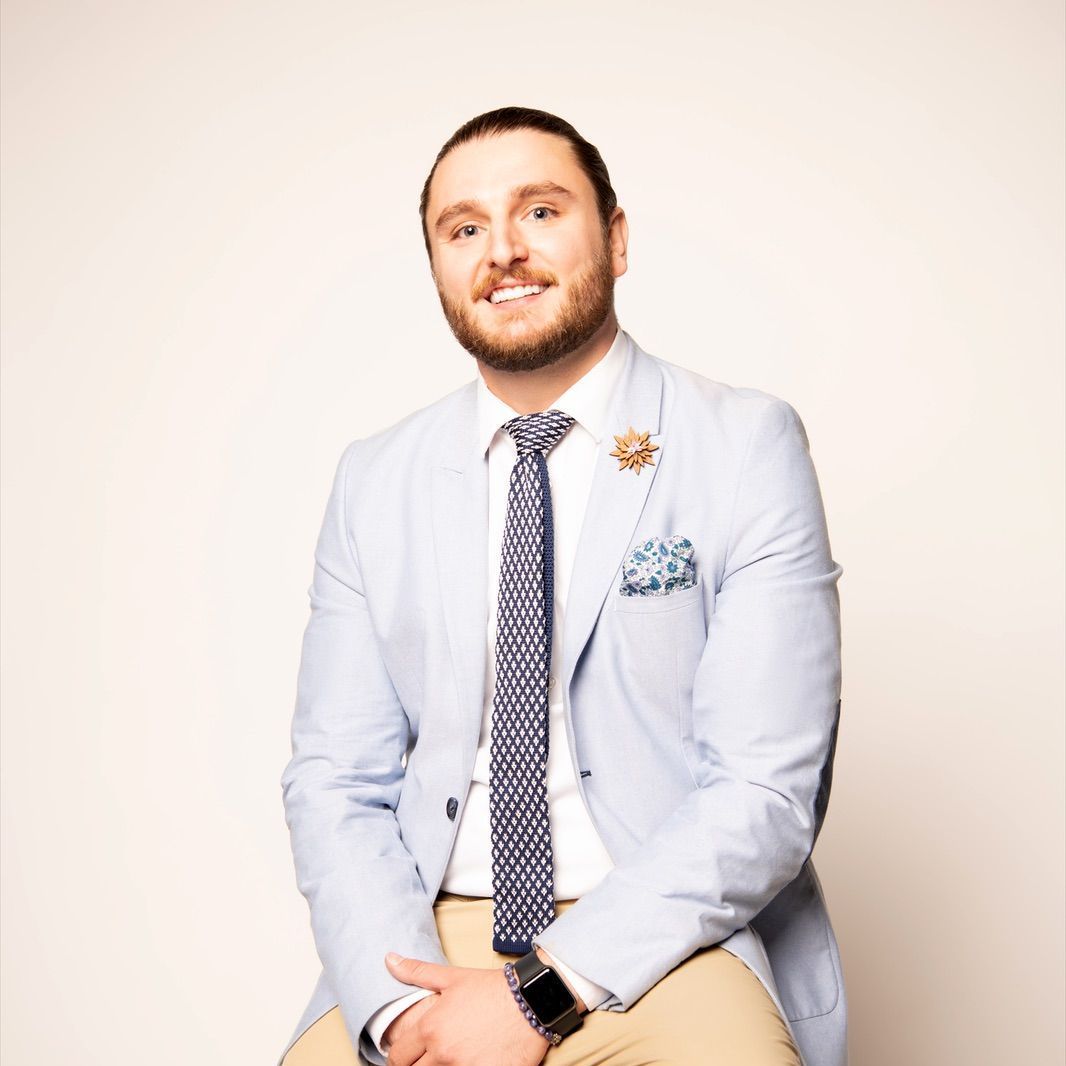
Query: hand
x=405, y=1022
x=473, y=1021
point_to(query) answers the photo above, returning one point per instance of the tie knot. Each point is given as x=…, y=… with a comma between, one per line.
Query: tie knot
x=538, y=432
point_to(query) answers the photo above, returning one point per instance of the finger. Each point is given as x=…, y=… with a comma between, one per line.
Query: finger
x=416, y=972
x=407, y=1048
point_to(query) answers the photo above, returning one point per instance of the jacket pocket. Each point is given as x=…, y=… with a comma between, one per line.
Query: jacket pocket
x=656, y=637
x=672, y=601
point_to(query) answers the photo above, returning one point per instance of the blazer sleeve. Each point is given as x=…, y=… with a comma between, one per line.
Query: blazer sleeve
x=341, y=787
x=765, y=704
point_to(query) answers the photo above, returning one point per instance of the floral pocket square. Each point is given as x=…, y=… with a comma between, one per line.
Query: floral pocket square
x=658, y=567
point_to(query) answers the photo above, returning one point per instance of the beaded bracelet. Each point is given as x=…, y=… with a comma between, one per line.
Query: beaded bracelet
x=523, y=1006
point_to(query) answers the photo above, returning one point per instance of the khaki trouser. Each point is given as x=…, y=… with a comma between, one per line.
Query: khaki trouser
x=709, y=1011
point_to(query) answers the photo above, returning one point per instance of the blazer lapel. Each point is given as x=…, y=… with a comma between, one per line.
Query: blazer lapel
x=616, y=500
x=460, y=530
x=459, y=504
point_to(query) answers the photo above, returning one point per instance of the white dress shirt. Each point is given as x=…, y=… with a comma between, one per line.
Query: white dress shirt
x=580, y=859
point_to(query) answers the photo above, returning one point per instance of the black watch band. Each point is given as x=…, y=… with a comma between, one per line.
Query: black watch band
x=547, y=995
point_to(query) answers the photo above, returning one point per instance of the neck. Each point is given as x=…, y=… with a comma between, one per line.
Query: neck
x=529, y=391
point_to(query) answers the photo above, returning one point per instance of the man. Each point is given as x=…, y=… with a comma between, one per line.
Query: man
x=569, y=693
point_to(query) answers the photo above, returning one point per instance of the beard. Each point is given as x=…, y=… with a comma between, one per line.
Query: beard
x=590, y=301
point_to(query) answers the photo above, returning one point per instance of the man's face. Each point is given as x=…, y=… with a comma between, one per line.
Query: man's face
x=515, y=210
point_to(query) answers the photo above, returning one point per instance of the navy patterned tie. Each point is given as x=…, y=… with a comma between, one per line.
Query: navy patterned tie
x=522, y=883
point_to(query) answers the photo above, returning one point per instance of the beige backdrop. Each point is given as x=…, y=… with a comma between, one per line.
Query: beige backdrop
x=213, y=279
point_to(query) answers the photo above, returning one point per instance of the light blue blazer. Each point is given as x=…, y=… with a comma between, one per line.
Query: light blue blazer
x=703, y=722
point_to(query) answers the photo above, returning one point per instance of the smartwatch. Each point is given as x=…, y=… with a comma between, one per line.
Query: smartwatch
x=547, y=995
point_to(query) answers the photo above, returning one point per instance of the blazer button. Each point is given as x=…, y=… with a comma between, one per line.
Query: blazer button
x=453, y=806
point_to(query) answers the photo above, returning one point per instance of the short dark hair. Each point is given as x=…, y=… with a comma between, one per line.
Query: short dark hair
x=506, y=119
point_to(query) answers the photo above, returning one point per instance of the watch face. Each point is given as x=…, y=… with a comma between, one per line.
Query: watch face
x=548, y=997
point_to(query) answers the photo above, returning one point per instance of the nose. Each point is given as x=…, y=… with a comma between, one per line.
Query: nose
x=505, y=246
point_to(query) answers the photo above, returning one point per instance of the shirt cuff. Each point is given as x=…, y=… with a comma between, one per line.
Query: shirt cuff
x=381, y=1019
x=589, y=991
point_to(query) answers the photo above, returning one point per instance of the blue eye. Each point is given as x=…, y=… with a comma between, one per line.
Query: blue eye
x=461, y=232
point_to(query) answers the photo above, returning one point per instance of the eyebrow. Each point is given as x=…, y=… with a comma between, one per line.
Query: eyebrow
x=519, y=192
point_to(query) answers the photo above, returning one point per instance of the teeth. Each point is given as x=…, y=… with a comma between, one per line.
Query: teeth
x=499, y=296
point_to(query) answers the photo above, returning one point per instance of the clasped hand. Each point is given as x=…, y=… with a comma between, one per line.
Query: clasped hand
x=472, y=1020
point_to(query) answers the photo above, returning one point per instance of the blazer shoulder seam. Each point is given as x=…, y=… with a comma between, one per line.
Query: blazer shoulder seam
x=349, y=454
x=772, y=402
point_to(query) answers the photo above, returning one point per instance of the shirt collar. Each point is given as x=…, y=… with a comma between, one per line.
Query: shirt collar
x=586, y=400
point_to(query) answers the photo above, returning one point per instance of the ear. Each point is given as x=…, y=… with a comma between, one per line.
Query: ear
x=618, y=241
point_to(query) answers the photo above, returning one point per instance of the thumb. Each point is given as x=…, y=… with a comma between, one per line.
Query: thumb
x=416, y=972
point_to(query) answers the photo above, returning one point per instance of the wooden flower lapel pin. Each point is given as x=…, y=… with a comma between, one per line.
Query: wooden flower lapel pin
x=633, y=450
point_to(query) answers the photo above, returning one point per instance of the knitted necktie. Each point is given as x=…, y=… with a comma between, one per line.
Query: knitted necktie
x=522, y=883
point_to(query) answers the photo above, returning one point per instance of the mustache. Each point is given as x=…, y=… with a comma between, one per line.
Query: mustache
x=522, y=276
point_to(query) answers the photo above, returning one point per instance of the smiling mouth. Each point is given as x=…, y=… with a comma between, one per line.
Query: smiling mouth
x=516, y=294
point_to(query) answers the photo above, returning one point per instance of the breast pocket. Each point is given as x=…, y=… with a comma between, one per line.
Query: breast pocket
x=660, y=639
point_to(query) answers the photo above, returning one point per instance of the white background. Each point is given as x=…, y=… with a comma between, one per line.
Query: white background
x=214, y=278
